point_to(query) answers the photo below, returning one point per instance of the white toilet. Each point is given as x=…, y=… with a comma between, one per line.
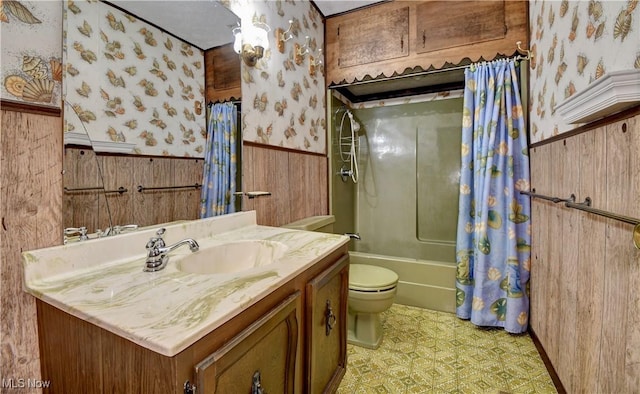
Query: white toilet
x=372, y=290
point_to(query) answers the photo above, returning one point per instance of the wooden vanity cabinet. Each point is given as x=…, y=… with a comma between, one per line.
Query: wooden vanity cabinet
x=295, y=338
x=262, y=356
x=327, y=328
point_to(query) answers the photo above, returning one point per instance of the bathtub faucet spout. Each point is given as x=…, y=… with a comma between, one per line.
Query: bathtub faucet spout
x=355, y=236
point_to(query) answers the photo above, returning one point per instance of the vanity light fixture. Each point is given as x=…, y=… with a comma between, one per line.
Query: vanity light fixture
x=315, y=62
x=302, y=51
x=251, y=42
x=283, y=36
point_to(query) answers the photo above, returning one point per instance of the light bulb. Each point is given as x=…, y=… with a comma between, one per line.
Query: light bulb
x=237, y=43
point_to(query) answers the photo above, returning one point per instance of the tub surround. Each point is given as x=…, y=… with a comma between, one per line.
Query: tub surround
x=102, y=282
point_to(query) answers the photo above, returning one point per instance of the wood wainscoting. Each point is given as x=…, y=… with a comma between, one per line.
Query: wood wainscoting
x=31, y=201
x=296, y=180
x=585, y=304
x=133, y=207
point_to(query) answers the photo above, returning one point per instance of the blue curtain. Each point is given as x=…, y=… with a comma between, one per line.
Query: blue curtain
x=493, y=253
x=219, y=179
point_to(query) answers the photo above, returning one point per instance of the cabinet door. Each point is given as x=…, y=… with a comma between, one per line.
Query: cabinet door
x=440, y=24
x=326, y=318
x=362, y=41
x=222, y=74
x=261, y=357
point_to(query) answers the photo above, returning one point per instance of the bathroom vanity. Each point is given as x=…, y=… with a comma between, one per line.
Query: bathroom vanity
x=278, y=326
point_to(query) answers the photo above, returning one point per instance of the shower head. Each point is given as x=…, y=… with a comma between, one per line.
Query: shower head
x=354, y=123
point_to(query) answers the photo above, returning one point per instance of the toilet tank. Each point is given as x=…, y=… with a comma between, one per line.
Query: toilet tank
x=322, y=224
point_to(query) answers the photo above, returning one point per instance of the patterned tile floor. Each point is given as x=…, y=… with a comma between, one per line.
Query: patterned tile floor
x=424, y=351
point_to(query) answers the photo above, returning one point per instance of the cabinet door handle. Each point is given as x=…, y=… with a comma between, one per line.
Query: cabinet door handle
x=424, y=38
x=256, y=385
x=330, y=318
x=189, y=388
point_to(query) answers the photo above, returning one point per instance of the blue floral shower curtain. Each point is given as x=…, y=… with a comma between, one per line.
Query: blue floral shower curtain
x=493, y=243
x=219, y=179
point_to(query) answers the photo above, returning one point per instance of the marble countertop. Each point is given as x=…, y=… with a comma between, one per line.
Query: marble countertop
x=102, y=281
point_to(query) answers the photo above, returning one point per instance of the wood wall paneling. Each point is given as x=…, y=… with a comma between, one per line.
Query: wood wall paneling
x=540, y=173
x=296, y=180
x=69, y=178
x=31, y=204
x=271, y=167
x=86, y=207
x=117, y=173
x=536, y=233
x=592, y=263
x=553, y=255
x=616, y=275
x=142, y=204
x=321, y=186
x=308, y=185
x=187, y=201
x=132, y=207
x=632, y=353
x=585, y=273
x=299, y=174
x=163, y=201
x=247, y=177
x=568, y=176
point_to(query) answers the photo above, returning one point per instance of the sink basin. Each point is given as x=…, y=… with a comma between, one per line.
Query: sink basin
x=231, y=257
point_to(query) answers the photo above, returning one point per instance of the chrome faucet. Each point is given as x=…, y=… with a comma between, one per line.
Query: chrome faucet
x=157, y=251
x=70, y=233
x=115, y=230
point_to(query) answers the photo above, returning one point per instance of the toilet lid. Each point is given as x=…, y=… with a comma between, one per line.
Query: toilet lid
x=370, y=277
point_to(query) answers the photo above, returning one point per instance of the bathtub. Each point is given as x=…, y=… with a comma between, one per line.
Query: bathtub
x=423, y=283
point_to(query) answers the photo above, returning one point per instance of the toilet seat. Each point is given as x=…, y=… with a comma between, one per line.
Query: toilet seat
x=371, y=278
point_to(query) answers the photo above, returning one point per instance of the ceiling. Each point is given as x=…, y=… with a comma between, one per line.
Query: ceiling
x=207, y=23
x=332, y=7
x=203, y=23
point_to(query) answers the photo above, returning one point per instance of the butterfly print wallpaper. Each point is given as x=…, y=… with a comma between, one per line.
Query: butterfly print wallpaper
x=575, y=43
x=127, y=81
x=283, y=98
x=31, y=65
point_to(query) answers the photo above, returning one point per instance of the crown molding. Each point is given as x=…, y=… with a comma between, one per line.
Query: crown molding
x=614, y=92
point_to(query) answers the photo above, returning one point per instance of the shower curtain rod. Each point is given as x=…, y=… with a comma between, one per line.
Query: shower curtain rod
x=585, y=206
x=385, y=79
x=426, y=72
x=222, y=102
x=523, y=54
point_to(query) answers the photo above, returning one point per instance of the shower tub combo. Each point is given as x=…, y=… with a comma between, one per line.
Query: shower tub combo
x=403, y=202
